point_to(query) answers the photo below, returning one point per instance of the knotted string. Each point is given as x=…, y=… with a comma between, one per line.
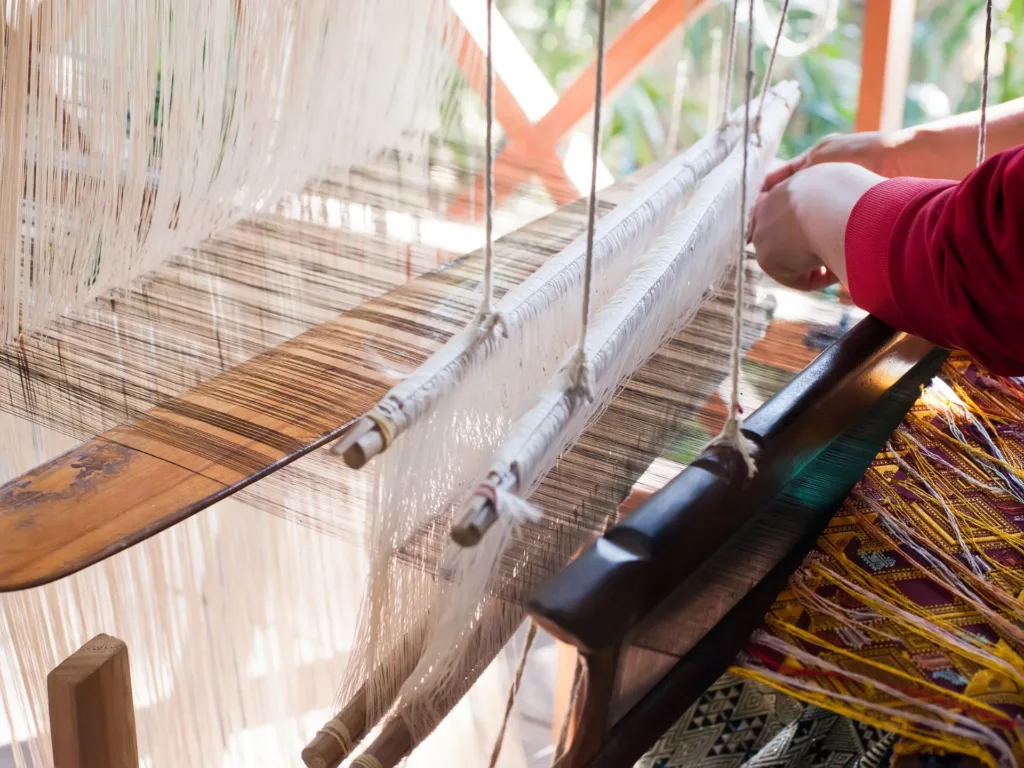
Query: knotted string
x=486, y=319
x=581, y=374
x=732, y=435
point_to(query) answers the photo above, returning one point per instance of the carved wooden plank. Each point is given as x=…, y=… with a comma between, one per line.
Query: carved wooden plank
x=92, y=719
x=144, y=476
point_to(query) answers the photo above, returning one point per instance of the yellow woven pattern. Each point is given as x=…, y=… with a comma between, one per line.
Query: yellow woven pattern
x=909, y=615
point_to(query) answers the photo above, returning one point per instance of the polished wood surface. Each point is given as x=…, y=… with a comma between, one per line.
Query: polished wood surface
x=193, y=450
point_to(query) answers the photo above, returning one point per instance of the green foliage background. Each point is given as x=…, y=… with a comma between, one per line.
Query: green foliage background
x=944, y=79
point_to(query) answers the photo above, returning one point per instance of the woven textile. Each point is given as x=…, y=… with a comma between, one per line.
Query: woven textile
x=741, y=723
x=908, y=614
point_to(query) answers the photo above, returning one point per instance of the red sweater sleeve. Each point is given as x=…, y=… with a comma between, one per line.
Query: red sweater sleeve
x=945, y=260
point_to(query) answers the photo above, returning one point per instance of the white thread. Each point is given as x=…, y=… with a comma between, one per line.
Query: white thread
x=771, y=63
x=579, y=372
x=730, y=63
x=659, y=296
x=487, y=321
x=732, y=434
x=512, y=507
x=975, y=565
x=826, y=23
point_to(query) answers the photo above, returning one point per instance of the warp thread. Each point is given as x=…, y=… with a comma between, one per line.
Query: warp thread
x=513, y=692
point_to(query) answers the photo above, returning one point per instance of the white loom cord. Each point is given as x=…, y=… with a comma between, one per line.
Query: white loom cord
x=766, y=83
x=660, y=295
x=628, y=225
x=732, y=434
x=582, y=375
x=983, y=122
x=730, y=62
x=486, y=321
x=786, y=47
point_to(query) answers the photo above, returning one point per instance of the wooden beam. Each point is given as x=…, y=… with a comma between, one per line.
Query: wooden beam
x=885, y=64
x=92, y=718
x=624, y=58
x=141, y=477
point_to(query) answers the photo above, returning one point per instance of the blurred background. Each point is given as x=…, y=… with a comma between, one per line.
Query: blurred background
x=668, y=105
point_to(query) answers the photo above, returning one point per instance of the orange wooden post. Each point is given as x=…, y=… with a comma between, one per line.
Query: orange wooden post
x=885, y=64
x=515, y=124
x=624, y=57
x=92, y=718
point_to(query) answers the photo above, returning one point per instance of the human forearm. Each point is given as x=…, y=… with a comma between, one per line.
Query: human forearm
x=945, y=260
x=947, y=148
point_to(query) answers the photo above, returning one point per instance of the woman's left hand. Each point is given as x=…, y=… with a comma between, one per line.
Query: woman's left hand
x=799, y=225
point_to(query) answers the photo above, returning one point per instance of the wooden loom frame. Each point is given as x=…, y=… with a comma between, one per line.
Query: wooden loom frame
x=632, y=576
x=882, y=86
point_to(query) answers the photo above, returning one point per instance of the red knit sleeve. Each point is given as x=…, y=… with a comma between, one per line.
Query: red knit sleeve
x=945, y=260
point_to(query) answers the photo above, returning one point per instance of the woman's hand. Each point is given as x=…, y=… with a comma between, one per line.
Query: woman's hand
x=799, y=224
x=885, y=154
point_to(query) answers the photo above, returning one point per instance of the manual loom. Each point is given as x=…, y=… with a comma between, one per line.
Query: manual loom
x=224, y=381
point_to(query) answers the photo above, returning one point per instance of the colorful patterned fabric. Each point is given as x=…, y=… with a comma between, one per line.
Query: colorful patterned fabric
x=741, y=723
x=909, y=615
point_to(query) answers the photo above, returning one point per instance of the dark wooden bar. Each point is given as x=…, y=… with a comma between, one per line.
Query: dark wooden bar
x=815, y=439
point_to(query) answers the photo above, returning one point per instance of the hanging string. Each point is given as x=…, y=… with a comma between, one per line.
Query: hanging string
x=486, y=319
x=570, y=709
x=983, y=123
x=581, y=374
x=771, y=64
x=732, y=435
x=513, y=692
x=730, y=62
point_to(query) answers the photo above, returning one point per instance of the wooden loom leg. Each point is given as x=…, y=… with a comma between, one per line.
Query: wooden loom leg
x=92, y=718
x=885, y=64
x=590, y=726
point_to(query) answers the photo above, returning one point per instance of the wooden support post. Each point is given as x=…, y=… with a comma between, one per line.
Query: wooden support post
x=885, y=64
x=92, y=719
x=536, y=143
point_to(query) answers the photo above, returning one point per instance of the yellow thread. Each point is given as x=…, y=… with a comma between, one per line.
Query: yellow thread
x=384, y=426
x=864, y=715
x=366, y=760
x=340, y=733
x=885, y=609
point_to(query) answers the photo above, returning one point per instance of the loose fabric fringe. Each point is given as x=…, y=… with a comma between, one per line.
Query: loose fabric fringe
x=909, y=615
x=132, y=130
